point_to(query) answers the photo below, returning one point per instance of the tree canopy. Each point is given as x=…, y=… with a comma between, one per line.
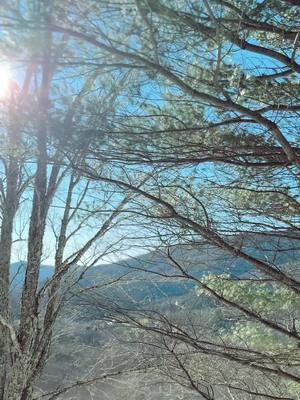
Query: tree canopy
x=173, y=124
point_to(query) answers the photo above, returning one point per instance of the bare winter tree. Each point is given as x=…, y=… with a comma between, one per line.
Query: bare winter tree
x=49, y=212
x=206, y=139
x=215, y=100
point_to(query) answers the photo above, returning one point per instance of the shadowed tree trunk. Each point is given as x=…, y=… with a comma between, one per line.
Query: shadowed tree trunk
x=9, y=205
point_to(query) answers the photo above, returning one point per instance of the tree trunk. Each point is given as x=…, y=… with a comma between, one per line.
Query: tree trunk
x=18, y=386
x=9, y=210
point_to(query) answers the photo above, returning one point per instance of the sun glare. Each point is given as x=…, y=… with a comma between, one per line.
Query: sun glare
x=5, y=80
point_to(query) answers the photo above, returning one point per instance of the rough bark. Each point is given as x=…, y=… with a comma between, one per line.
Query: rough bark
x=9, y=209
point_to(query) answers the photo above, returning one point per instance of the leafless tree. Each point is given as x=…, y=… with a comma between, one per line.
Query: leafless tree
x=205, y=139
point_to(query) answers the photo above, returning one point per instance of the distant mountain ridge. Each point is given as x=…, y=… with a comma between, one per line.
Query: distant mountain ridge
x=18, y=269
x=131, y=276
